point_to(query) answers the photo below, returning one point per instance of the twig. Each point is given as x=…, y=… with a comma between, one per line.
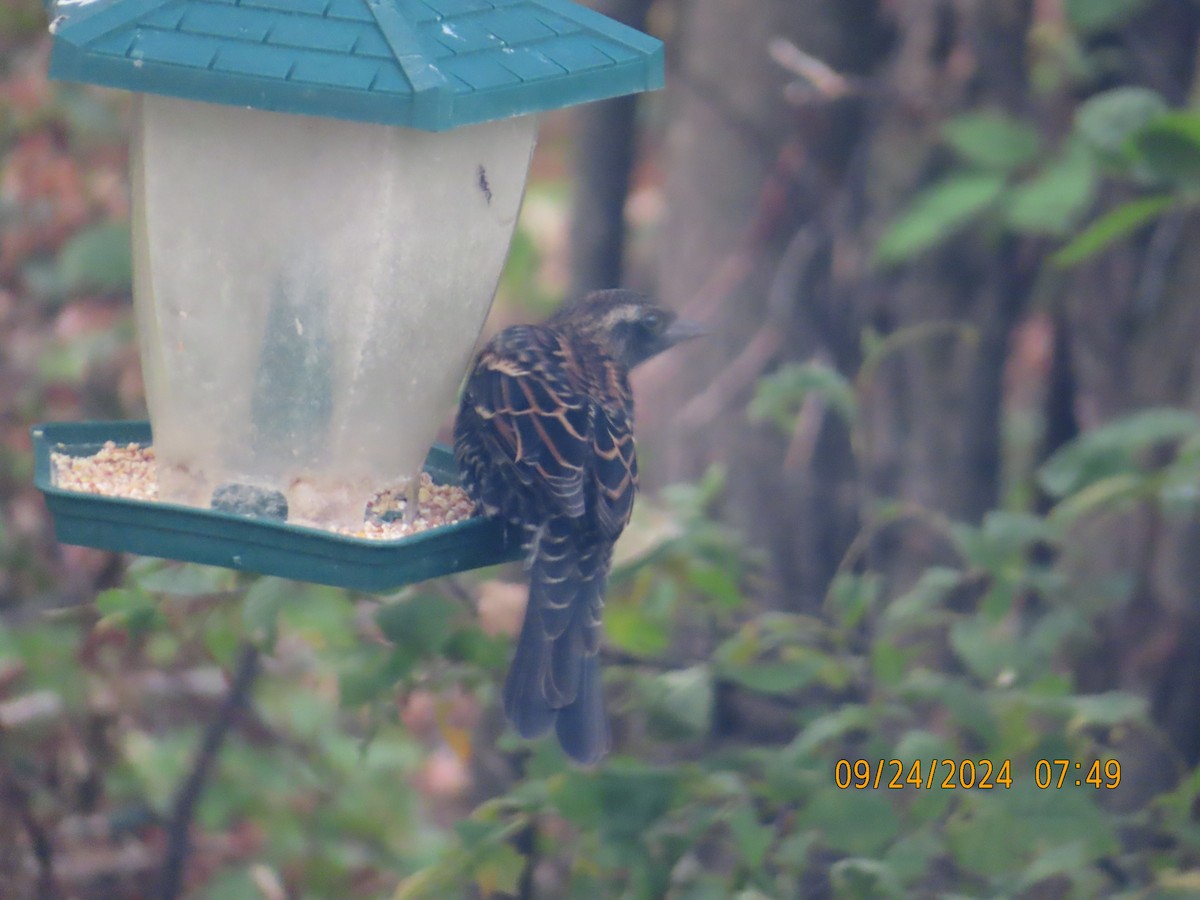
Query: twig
x=192, y=787
x=817, y=74
x=16, y=796
x=611, y=655
x=937, y=523
x=1161, y=249
x=461, y=593
x=526, y=843
x=705, y=303
x=735, y=378
x=747, y=367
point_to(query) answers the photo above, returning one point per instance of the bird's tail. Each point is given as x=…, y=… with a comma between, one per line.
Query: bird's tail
x=554, y=679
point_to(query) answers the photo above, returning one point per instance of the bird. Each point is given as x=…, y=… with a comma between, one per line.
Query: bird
x=544, y=439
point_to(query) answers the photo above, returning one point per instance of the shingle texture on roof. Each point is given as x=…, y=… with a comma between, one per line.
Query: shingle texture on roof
x=431, y=64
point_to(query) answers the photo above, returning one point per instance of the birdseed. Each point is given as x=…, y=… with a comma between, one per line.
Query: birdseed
x=129, y=471
x=112, y=472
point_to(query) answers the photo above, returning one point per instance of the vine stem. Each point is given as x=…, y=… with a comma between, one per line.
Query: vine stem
x=191, y=788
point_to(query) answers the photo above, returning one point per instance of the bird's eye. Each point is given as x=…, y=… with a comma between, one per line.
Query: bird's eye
x=652, y=321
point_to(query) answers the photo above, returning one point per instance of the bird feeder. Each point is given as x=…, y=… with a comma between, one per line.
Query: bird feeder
x=323, y=196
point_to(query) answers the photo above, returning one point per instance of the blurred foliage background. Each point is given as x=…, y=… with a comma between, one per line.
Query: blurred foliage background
x=929, y=493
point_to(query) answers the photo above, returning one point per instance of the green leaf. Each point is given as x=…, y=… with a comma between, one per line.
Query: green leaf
x=1109, y=120
x=932, y=588
x=158, y=763
x=965, y=703
x=499, y=870
x=1111, y=449
x=718, y=584
x=1031, y=820
x=97, y=259
x=911, y=856
x=471, y=645
x=832, y=725
x=632, y=797
x=872, y=343
x=1002, y=594
x=751, y=837
x=793, y=851
x=221, y=637
x=116, y=601
x=860, y=823
x=1170, y=146
x=261, y=607
x=236, y=884
x=938, y=212
x=576, y=797
x=1003, y=537
x=419, y=624
x=1091, y=16
x=856, y=878
x=925, y=746
x=984, y=646
x=1051, y=202
x=1010, y=533
x=1065, y=861
x=767, y=655
x=1106, y=710
x=889, y=660
x=1179, y=492
x=852, y=596
x=182, y=579
x=992, y=140
x=1112, y=227
x=322, y=615
x=775, y=677
x=368, y=673
x=633, y=629
x=780, y=395
x=128, y=608
x=1113, y=493
x=679, y=704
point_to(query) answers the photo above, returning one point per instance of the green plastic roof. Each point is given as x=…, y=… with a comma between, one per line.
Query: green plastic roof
x=430, y=64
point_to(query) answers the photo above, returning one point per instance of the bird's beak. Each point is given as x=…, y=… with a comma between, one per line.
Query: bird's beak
x=682, y=330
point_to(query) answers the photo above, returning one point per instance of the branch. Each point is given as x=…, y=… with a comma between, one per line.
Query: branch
x=16, y=796
x=193, y=786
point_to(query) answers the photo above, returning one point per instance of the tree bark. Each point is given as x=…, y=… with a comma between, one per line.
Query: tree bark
x=744, y=247
x=773, y=211
x=773, y=216
x=605, y=142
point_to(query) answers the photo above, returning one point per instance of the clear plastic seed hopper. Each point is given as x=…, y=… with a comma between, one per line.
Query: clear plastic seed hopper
x=324, y=192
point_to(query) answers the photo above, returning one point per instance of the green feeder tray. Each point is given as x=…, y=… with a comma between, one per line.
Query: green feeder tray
x=216, y=538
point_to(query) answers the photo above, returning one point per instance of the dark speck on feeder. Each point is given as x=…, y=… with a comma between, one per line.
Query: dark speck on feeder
x=248, y=500
x=484, y=186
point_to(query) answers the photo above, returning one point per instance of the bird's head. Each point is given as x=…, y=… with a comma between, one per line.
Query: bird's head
x=629, y=325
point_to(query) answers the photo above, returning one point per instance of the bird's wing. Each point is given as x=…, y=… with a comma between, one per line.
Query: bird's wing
x=615, y=467
x=534, y=414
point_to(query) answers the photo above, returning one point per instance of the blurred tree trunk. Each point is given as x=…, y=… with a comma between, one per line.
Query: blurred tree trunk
x=745, y=248
x=1133, y=327
x=774, y=209
x=605, y=138
x=775, y=200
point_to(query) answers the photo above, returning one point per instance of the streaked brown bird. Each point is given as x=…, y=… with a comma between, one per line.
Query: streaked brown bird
x=544, y=438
